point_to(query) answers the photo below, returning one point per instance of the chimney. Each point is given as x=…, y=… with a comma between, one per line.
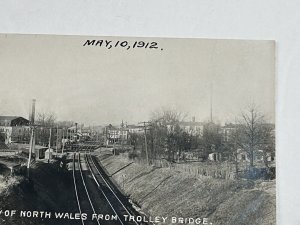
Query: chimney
x=193, y=119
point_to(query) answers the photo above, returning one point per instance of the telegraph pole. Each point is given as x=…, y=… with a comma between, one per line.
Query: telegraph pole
x=145, y=124
x=107, y=138
x=122, y=130
x=76, y=132
x=32, y=136
x=63, y=140
x=49, y=146
x=114, y=136
x=30, y=151
x=56, y=139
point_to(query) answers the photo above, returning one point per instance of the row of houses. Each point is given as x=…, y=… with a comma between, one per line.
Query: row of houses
x=193, y=128
x=117, y=134
x=113, y=134
x=17, y=129
x=121, y=134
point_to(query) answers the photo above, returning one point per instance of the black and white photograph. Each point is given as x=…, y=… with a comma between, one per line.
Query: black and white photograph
x=136, y=131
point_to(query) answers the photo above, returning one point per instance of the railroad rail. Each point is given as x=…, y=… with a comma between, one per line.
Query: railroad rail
x=83, y=199
x=104, y=191
x=89, y=146
x=116, y=203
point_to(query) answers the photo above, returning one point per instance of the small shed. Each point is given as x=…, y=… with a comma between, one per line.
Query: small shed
x=49, y=153
x=40, y=152
x=7, y=167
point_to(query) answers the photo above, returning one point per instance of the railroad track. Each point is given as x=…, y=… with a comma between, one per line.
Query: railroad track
x=107, y=190
x=85, y=146
x=100, y=199
x=84, y=202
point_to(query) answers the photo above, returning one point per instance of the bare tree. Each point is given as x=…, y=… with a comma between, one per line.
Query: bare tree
x=251, y=132
x=44, y=121
x=211, y=139
x=234, y=143
x=65, y=124
x=268, y=144
x=166, y=132
x=167, y=116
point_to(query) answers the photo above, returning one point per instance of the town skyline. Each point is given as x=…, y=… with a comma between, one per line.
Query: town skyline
x=186, y=117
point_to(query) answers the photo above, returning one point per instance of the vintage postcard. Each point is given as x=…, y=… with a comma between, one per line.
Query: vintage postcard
x=132, y=131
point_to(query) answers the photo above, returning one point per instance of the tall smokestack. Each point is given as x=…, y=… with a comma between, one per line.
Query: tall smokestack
x=211, y=103
x=32, y=114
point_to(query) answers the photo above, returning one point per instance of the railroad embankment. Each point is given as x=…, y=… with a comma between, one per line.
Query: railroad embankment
x=47, y=190
x=165, y=192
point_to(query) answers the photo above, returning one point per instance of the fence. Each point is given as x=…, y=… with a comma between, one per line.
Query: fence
x=219, y=170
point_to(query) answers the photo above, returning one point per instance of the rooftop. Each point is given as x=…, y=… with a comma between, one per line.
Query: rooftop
x=9, y=118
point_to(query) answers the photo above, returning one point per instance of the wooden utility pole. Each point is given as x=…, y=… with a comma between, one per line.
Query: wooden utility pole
x=145, y=138
x=50, y=133
x=107, y=138
x=32, y=136
x=49, y=146
x=67, y=134
x=114, y=136
x=63, y=140
x=30, y=151
x=56, y=139
x=76, y=132
x=122, y=130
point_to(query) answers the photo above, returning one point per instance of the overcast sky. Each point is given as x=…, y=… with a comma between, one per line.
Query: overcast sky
x=95, y=85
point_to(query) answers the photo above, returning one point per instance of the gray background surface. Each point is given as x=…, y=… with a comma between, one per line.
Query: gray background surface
x=249, y=19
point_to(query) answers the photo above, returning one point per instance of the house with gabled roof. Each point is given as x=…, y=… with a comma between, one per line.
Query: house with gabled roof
x=14, y=128
x=12, y=121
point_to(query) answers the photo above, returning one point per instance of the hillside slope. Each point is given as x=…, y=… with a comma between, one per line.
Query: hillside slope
x=164, y=192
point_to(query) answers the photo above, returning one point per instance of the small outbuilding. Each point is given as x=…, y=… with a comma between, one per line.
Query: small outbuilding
x=49, y=153
x=40, y=152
